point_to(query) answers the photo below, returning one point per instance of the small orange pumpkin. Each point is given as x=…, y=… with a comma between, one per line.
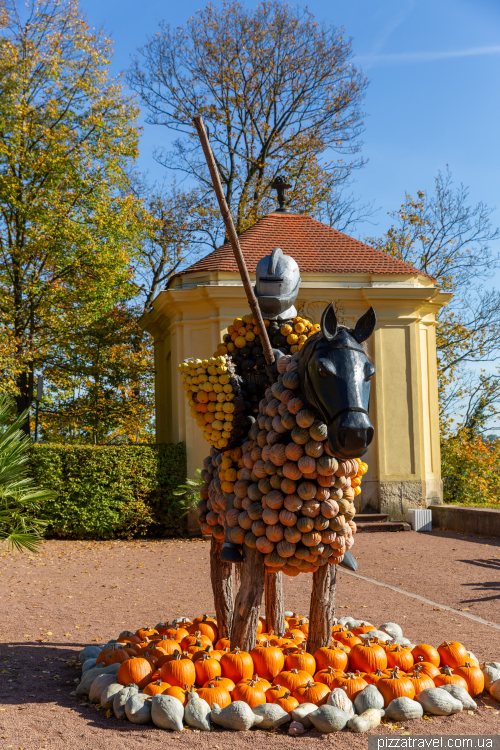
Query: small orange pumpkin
x=213, y=692
x=447, y=677
x=237, y=665
x=352, y=684
x=293, y=679
x=179, y=671
x=312, y=692
x=327, y=676
x=249, y=692
x=301, y=660
x=156, y=688
x=452, y=654
x=395, y=685
x=397, y=656
x=473, y=676
x=429, y=654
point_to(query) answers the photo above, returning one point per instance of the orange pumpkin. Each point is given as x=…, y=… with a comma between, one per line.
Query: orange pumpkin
x=176, y=633
x=367, y=657
x=312, y=692
x=395, y=685
x=207, y=626
x=146, y=632
x=213, y=692
x=156, y=688
x=192, y=640
x=206, y=669
x=373, y=677
x=362, y=629
x=452, y=654
x=352, y=684
x=275, y=692
x=426, y=667
x=331, y=657
x=301, y=660
x=179, y=671
x=397, y=656
x=420, y=681
x=428, y=653
x=249, y=692
x=473, y=676
x=447, y=677
x=223, y=682
x=237, y=665
x=292, y=679
x=223, y=643
x=138, y=671
x=180, y=693
x=327, y=676
x=287, y=702
x=128, y=639
x=268, y=660
x=168, y=645
x=347, y=638
x=263, y=684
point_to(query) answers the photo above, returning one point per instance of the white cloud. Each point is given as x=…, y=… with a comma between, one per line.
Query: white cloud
x=418, y=57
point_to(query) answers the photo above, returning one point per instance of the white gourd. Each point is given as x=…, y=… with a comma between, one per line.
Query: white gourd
x=138, y=708
x=439, y=702
x=121, y=698
x=197, y=712
x=491, y=674
x=461, y=694
x=237, y=715
x=329, y=719
x=273, y=716
x=403, y=708
x=167, y=712
x=88, y=678
x=392, y=628
x=108, y=694
x=339, y=699
x=359, y=724
x=89, y=652
x=101, y=681
x=495, y=690
x=301, y=714
x=370, y=697
x=88, y=664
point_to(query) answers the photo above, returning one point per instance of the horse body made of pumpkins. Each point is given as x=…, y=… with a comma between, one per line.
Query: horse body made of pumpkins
x=280, y=486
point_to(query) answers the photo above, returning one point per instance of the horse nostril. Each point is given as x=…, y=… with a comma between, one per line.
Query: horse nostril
x=369, y=435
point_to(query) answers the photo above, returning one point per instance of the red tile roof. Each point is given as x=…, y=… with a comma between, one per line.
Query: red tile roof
x=316, y=248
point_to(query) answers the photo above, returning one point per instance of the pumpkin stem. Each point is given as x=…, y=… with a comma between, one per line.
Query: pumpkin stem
x=287, y=694
x=394, y=674
x=211, y=685
x=468, y=664
x=294, y=671
x=446, y=670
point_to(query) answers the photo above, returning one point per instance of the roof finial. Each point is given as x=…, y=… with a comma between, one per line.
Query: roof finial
x=280, y=184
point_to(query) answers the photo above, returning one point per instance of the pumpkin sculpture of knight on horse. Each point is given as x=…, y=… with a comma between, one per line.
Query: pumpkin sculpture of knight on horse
x=278, y=490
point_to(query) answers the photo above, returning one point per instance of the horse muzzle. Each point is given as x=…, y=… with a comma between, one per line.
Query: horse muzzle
x=350, y=434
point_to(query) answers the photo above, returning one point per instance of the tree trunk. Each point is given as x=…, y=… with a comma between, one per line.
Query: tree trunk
x=221, y=575
x=248, y=601
x=322, y=610
x=275, y=606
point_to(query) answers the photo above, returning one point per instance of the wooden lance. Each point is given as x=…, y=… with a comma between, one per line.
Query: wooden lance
x=233, y=239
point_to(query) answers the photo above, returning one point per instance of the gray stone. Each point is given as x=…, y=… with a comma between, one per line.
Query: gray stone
x=301, y=714
x=461, y=694
x=439, y=702
x=370, y=697
x=273, y=716
x=138, y=708
x=401, y=709
x=329, y=719
x=167, y=712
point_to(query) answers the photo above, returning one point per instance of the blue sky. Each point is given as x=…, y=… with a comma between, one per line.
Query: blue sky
x=433, y=98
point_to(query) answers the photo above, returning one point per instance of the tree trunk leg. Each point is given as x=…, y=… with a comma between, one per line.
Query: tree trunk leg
x=322, y=608
x=248, y=601
x=221, y=575
x=275, y=606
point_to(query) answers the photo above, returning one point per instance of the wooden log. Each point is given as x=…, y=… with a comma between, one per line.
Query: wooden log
x=322, y=609
x=248, y=601
x=221, y=575
x=275, y=605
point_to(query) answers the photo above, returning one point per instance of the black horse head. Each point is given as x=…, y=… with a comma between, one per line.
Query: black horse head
x=335, y=373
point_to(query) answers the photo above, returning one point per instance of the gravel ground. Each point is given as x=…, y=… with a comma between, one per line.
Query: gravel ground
x=74, y=593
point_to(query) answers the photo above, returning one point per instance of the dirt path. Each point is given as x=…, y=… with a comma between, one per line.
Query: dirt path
x=74, y=592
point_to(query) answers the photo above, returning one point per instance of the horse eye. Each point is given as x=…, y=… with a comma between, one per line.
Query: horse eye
x=322, y=371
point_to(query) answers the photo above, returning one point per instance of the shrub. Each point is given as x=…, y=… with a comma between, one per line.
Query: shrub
x=102, y=492
x=470, y=470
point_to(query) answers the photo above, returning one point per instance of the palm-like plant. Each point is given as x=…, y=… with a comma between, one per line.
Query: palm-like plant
x=20, y=498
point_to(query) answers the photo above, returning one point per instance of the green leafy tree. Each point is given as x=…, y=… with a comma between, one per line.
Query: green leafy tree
x=20, y=498
x=69, y=225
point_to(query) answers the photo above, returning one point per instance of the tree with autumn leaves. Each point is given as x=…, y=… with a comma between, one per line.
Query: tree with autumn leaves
x=69, y=225
x=454, y=242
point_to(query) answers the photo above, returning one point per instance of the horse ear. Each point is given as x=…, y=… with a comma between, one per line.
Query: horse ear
x=329, y=324
x=365, y=326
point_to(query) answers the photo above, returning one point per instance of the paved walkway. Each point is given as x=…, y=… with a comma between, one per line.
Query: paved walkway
x=74, y=592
